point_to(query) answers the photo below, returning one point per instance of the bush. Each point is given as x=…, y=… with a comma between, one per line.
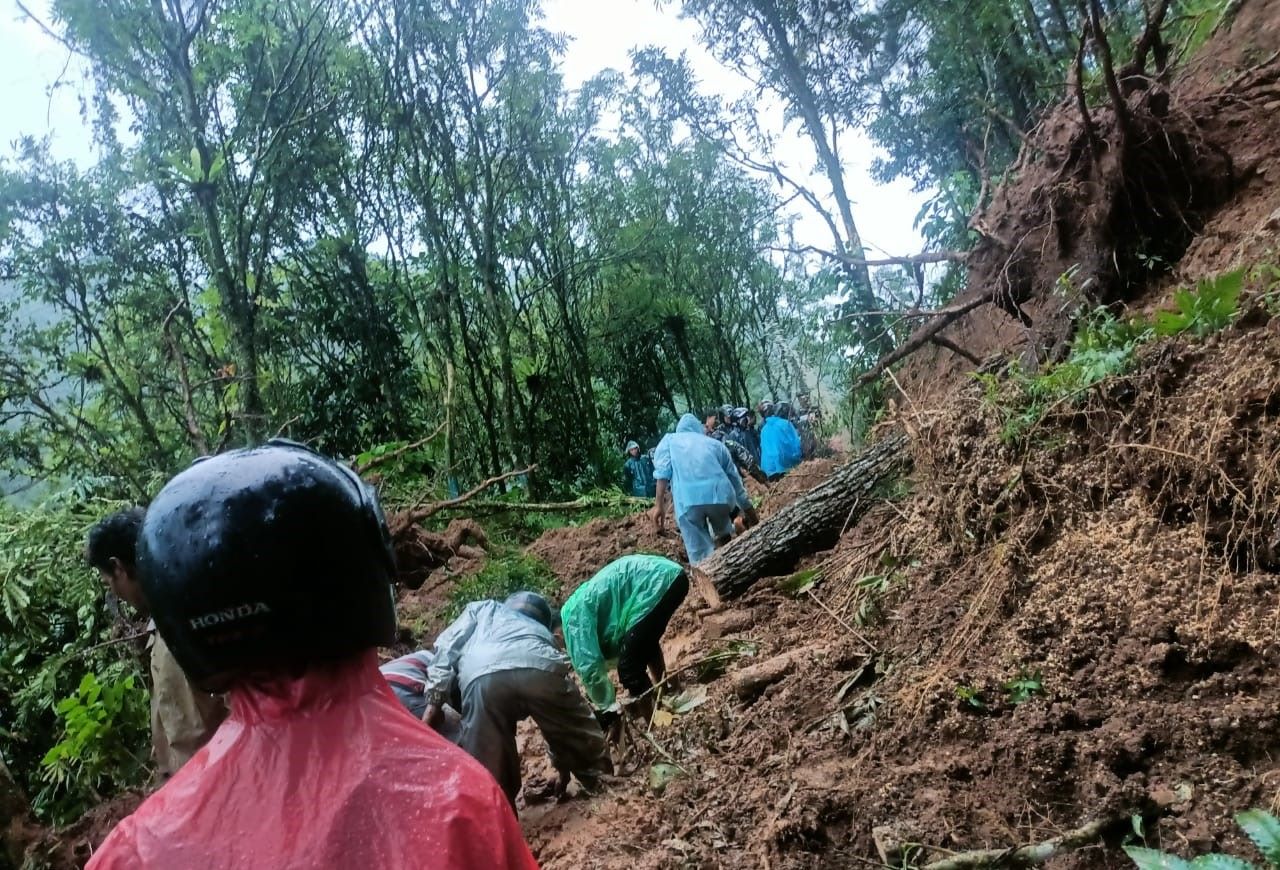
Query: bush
x=52, y=620
x=499, y=578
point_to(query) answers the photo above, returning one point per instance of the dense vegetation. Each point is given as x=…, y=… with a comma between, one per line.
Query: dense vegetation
x=367, y=225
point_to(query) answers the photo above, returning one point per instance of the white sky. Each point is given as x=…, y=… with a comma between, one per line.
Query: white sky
x=601, y=32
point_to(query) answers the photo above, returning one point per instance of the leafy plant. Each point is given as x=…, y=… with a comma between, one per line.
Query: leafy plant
x=99, y=749
x=52, y=626
x=1260, y=826
x=971, y=696
x=1211, y=306
x=1023, y=687
x=501, y=577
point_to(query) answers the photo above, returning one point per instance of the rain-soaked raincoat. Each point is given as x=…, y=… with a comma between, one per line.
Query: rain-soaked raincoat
x=601, y=611
x=780, y=449
x=322, y=770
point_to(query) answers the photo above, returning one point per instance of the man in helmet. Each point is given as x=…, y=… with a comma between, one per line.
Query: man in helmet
x=503, y=659
x=742, y=430
x=716, y=425
x=698, y=473
x=637, y=473
x=269, y=574
x=620, y=614
x=183, y=718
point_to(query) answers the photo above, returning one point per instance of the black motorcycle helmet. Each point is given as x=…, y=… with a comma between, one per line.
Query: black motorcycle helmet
x=265, y=560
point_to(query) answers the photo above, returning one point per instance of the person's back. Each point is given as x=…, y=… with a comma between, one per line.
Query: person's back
x=695, y=465
x=602, y=611
x=322, y=770
x=780, y=449
x=268, y=572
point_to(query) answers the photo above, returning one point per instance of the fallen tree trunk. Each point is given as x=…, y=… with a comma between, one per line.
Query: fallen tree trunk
x=803, y=527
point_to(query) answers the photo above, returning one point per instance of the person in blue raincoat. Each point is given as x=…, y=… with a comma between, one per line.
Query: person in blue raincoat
x=780, y=449
x=699, y=473
x=637, y=473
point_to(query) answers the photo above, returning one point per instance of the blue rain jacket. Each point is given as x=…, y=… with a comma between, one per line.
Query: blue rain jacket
x=637, y=473
x=699, y=468
x=779, y=446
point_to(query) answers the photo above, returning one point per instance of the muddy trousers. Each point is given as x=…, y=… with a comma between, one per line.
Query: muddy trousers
x=642, y=645
x=494, y=704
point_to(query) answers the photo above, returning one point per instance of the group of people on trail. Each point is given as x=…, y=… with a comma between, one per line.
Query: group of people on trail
x=783, y=439
x=699, y=470
x=268, y=575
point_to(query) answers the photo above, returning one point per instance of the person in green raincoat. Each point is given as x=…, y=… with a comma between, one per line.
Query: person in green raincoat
x=620, y=614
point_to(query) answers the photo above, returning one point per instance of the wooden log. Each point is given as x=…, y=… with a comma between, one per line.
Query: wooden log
x=751, y=681
x=808, y=525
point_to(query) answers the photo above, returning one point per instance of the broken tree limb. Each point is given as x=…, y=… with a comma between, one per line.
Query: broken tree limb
x=803, y=527
x=422, y=512
x=1028, y=856
x=399, y=451
x=943, y=318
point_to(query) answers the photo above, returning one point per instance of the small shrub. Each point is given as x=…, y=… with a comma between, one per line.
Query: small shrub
x=102, y=724
x=1211, y=306
x=1023, y=687
x=499, y=578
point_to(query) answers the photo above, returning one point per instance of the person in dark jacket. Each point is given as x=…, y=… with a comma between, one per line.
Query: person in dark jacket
x=742, y=430
x=637, y=473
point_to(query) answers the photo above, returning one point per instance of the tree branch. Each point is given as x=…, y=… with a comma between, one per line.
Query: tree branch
x=418, y=514
x=915, y=259
x=375, y=461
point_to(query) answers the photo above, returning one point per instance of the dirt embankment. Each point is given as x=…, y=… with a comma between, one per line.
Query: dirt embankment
x=1078, y=626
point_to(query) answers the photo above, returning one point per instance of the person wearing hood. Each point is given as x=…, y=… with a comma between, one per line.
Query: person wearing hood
x=637, y=473
x=699, y=474
x=269, y=574
x=780, y=448
x=503, y=659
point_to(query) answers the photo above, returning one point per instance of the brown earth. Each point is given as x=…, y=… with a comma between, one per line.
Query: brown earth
x=1096, y=560
x=1122, y=562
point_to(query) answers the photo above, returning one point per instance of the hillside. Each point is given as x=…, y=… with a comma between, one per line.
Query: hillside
x=1067, y=624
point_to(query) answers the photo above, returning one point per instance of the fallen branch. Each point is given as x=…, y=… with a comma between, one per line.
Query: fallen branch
x=418, y=514
x=375, y=461
x=551, y=507
x=924, y=335
x=1028, y=856
x=913, y=260
x=943, y=341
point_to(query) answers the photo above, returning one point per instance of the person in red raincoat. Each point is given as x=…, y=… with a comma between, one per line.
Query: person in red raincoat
x=269, y=576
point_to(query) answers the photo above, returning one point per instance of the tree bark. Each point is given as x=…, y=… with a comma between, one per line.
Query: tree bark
x=813, y=523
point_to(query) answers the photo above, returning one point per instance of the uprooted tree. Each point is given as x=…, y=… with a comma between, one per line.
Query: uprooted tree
x=1105, y=198
x=805, y=526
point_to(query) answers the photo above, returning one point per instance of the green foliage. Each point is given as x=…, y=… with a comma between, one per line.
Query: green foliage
x=1264, y=830
x=971, y=697
x=1023, y=687
x=52, y=620
x=501, y=577
x=102, y=724
x=1261, y=827
x=1104, y=346
x=1210, y=307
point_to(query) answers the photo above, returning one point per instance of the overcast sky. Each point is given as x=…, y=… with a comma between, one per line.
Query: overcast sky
x=601, y=33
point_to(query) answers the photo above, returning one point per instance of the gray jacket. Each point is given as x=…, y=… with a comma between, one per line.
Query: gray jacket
x=489, y=637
